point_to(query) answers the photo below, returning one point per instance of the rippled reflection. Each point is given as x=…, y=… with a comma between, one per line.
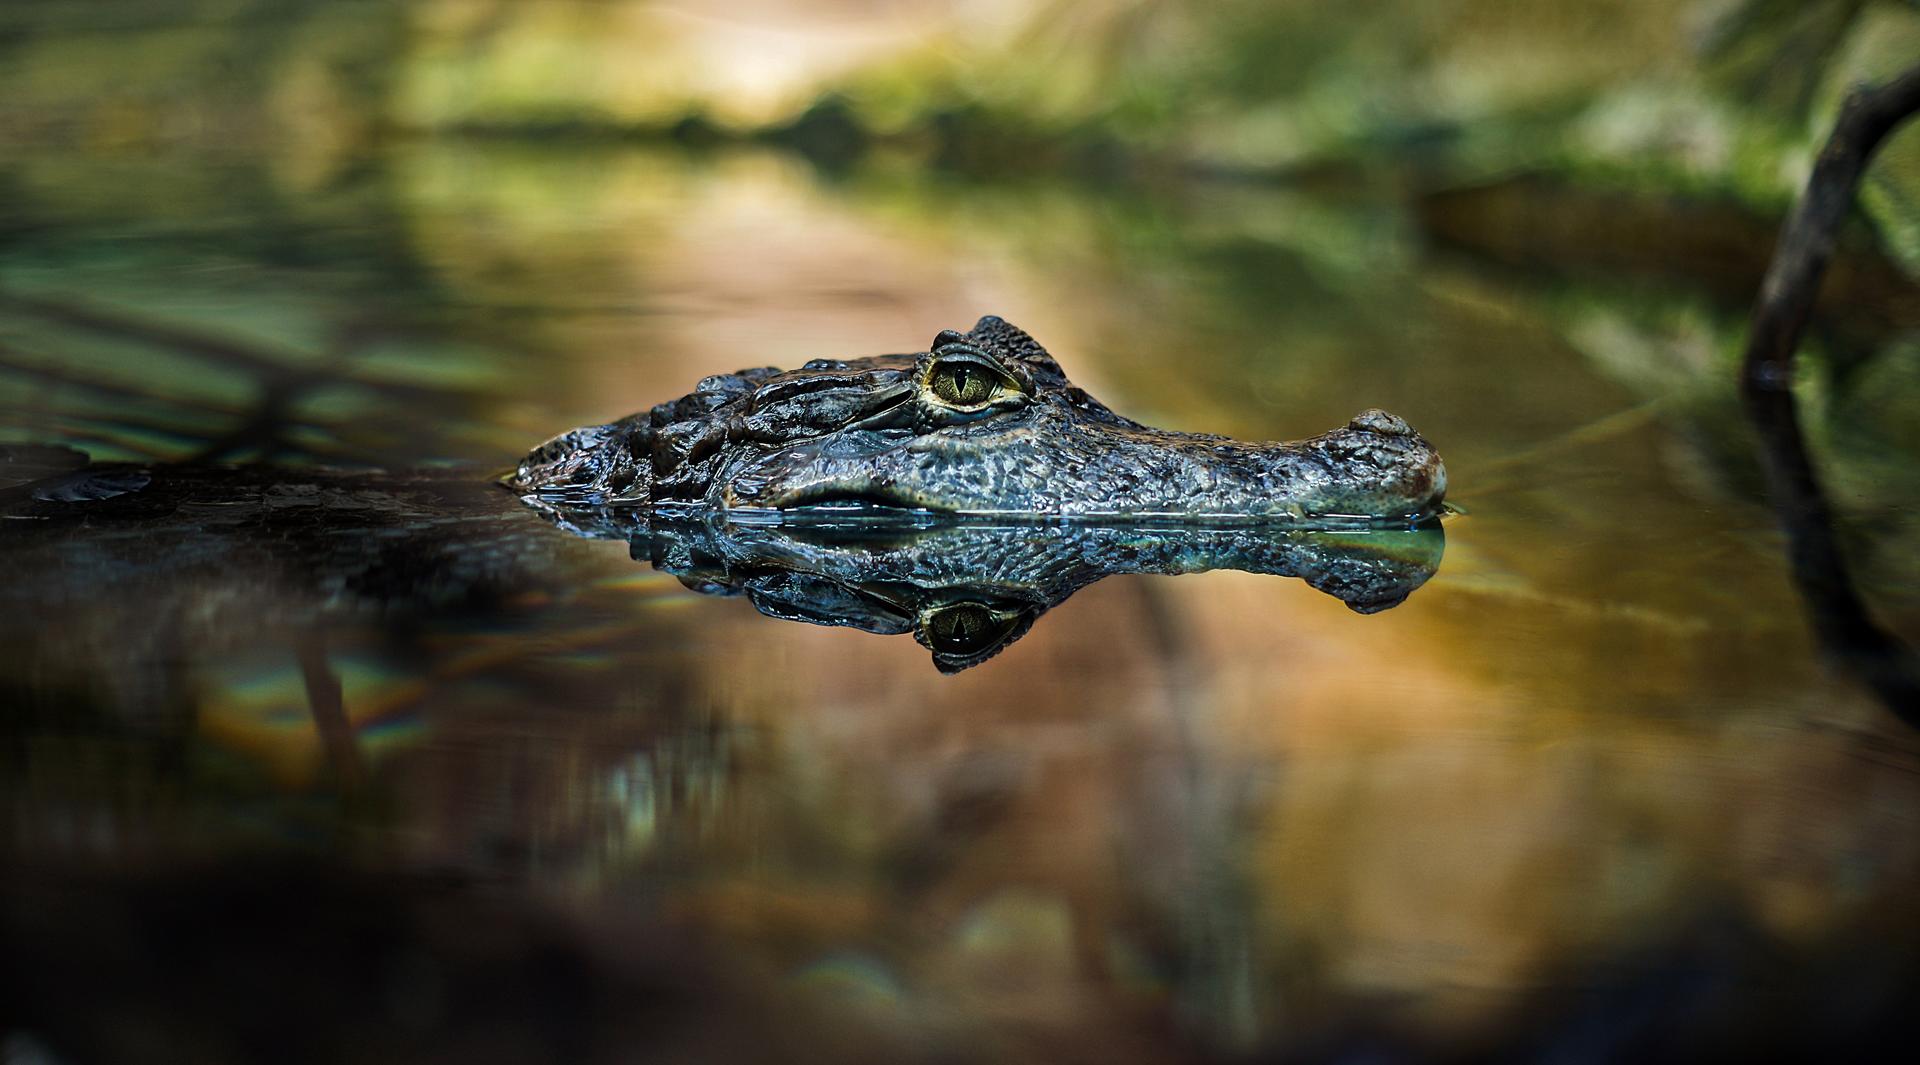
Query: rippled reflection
x=967, y=590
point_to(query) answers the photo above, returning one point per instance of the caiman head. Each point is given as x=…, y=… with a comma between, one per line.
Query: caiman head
x=984, y=422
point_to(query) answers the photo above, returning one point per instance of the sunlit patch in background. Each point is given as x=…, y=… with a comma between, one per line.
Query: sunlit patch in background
x=633, y=788
x=854, y=979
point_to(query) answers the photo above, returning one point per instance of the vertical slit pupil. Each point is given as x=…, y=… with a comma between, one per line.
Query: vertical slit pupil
x=964, y=384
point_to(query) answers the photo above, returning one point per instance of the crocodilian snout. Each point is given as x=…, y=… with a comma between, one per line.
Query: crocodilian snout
x=1376, y=468
x=1373, y=471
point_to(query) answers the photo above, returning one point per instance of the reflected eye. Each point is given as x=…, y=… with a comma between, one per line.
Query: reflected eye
x=967, y=384
x=966, y=629
x=965, y=633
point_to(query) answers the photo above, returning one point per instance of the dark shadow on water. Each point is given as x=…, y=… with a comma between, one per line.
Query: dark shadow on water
x=298, y=962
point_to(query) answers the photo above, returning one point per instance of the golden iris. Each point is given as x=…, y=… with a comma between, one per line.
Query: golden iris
x=964, y=384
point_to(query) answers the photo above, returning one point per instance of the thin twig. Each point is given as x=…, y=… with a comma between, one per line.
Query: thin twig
x=329, y=710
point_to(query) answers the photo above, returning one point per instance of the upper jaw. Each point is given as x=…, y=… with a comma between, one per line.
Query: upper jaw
x=1374, y=471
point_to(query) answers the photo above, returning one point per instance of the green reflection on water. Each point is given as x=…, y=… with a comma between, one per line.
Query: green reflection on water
x=1217, y=799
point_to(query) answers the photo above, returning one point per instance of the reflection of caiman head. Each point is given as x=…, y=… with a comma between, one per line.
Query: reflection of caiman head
x=984, y=423
x=967, y=590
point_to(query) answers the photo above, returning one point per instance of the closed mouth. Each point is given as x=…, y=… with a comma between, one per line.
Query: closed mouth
x=831, y=504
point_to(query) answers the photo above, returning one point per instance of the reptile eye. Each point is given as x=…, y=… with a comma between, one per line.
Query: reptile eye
x=969, y=385
x=963, y=385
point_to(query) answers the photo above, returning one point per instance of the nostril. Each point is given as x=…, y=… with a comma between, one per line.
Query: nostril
x=1379, y=421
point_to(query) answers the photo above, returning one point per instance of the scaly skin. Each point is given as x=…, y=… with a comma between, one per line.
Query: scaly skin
x=985, y=423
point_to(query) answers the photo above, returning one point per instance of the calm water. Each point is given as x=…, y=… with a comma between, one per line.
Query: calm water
x=1589, y=791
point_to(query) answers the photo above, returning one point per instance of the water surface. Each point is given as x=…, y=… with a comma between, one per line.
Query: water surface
x=1589, y=790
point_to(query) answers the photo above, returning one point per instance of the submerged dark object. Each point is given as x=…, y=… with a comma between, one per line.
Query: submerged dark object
x=182, y=554
x=983, y=423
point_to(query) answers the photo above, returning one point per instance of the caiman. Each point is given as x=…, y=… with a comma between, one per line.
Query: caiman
x=979, y=436
x=984, y=423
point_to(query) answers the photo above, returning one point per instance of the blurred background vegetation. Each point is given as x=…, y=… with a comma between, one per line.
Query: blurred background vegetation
x=1718, y=96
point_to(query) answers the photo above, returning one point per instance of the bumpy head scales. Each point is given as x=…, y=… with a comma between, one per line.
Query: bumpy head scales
x=983, y=422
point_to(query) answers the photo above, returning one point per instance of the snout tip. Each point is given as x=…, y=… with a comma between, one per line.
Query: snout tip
x=1392, y=472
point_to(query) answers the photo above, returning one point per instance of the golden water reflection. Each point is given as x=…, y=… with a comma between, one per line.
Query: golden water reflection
x=1198, y=814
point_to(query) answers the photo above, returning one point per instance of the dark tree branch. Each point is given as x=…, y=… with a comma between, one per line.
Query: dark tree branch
x=1840, y=618
x=329, y=711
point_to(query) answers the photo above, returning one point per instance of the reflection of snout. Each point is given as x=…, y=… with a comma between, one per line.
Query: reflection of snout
x=1375, y=570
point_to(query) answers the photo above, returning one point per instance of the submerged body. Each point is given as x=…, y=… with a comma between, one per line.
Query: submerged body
x=983, y=423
